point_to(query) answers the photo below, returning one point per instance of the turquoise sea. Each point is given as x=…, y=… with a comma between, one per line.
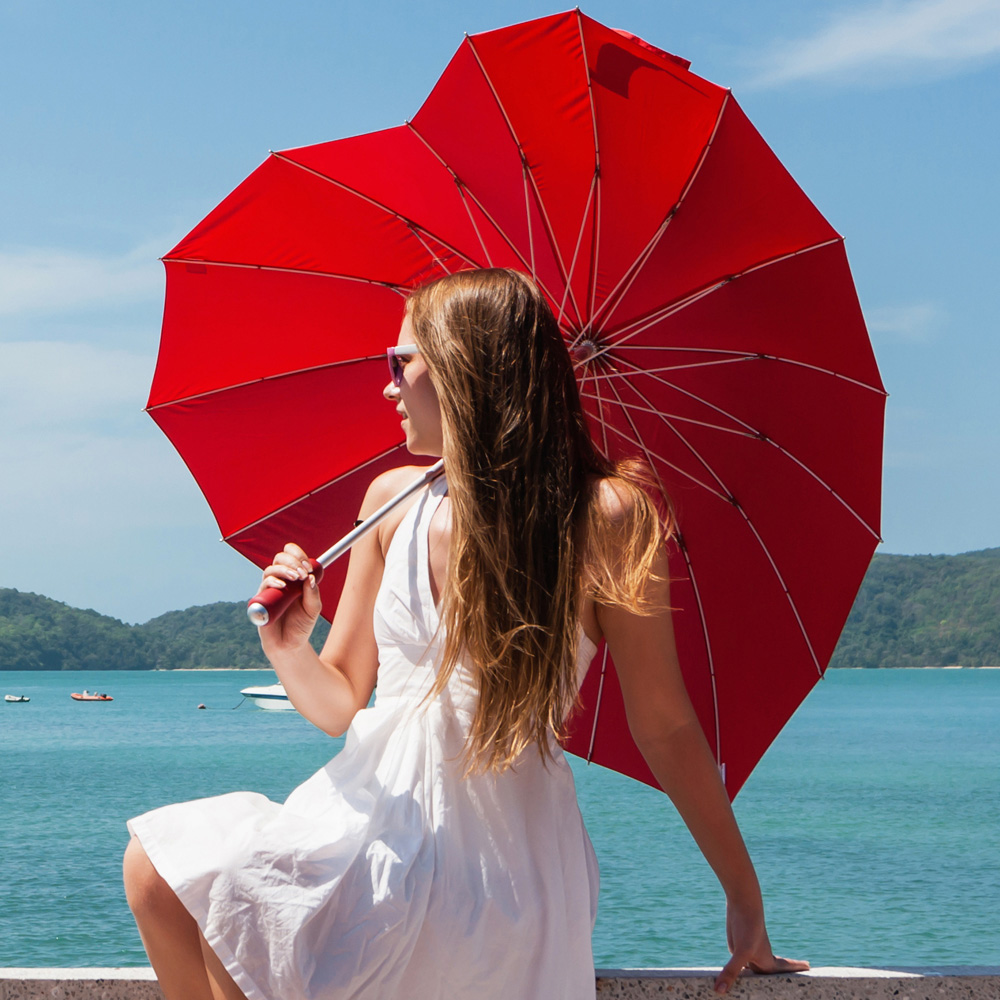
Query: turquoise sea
x=874, y=820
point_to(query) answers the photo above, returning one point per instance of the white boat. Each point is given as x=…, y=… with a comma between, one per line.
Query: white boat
x=16, y=697
x=270, y=696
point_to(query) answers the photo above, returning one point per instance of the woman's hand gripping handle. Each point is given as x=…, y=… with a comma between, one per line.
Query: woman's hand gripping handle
x=291, y=575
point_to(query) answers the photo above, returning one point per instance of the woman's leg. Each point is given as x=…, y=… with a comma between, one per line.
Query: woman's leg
x=185, y=966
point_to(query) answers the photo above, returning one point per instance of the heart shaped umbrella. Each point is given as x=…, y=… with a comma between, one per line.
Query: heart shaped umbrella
x=708, y=303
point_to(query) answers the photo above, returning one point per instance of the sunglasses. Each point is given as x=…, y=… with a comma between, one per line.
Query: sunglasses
x=395, y=356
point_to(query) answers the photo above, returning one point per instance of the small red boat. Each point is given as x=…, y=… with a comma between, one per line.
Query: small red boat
x=90, y=696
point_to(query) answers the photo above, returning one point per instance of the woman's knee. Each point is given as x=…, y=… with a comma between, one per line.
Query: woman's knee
x=145, y=889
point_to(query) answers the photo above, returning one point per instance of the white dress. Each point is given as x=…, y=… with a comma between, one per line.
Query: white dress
x=387, y=874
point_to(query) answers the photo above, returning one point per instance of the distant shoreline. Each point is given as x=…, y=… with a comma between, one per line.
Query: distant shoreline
x=950, y=666
x=250, y=670
x=231, y=670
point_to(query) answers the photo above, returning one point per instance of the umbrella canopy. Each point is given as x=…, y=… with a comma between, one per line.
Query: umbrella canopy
x=708, y=303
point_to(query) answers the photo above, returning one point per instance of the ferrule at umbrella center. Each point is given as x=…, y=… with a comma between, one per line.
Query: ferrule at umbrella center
x=584, y=351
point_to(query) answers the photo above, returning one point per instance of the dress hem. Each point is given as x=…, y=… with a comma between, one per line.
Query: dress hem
x=159, y=859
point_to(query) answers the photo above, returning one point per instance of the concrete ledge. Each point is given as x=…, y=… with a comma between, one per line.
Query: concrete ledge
x=79, y=984
x=833, y=983
x=941, y=983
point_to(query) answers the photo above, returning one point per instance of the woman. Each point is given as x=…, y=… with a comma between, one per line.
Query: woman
x=441, y=853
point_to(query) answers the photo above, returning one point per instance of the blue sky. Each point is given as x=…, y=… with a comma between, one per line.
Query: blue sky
x=122, y=124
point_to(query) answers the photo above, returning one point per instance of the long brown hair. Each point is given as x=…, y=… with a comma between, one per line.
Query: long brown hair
x=524, y=477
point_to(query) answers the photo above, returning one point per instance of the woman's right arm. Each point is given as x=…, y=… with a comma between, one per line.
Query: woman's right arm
x=665, y=728
x=330, y=688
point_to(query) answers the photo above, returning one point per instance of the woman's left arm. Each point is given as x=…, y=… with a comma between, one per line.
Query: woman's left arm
x=666, y=730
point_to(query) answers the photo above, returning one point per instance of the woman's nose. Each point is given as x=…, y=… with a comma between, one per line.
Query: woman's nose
x=391, y=390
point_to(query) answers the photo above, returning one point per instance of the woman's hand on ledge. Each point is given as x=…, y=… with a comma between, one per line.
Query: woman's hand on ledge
x=748, y=941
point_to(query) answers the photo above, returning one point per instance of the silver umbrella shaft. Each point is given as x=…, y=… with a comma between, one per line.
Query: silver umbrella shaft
x=336, y=551
x=260, y=613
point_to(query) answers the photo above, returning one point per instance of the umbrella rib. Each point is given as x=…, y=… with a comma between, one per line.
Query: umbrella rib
x=691, y=574
x=650, y=455
x=585, y=321
x=410, y=224
x=313, y=492
x=664, y=312
x=632, y=272
x=527, y=168
x=753, y=432
x=493, y=222
x=391, y=285
x=680, y=349
x=819, y=479
x=746, y=517
x=264, y=378
x=461, y=191
x=586, y=373
x=744, y=355
x=740, y=359
x=784, y=587
x=430, y=251
x=878, y=390
x=527, y=216
x=643, y=323
x=652, y=319
x=576, y=250
x=676, y=416
x=710, y=656
x=597, y=705
x=600, y=404
x=595, y=256
x=690, y=567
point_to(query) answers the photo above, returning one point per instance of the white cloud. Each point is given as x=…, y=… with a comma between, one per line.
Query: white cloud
x=916, y=323
x=44, y=280
x=889, y=41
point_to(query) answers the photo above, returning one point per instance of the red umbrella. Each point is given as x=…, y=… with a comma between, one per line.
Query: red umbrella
x=709, y=304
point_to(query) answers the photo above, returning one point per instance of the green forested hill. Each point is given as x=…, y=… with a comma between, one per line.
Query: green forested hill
x=925, y=611
x=911, y=611
x=37, y=633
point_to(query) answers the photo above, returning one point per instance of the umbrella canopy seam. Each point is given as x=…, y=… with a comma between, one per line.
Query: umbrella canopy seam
x=461, y=193
x=314, y=491
x=632, y=272
x=750, y=524
x=553, y=242
x=672, y=308
x=596, y=183
x=492, y=221
x=751, y=432
x=391, y=285
x=411, y=224
x=263, y=378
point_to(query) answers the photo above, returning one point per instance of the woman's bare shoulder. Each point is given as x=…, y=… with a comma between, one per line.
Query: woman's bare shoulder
x=613, y=498
x=387, y=484
x=381, y=490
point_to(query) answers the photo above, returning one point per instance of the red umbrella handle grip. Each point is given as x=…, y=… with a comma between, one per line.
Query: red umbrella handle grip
x=270, y=603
